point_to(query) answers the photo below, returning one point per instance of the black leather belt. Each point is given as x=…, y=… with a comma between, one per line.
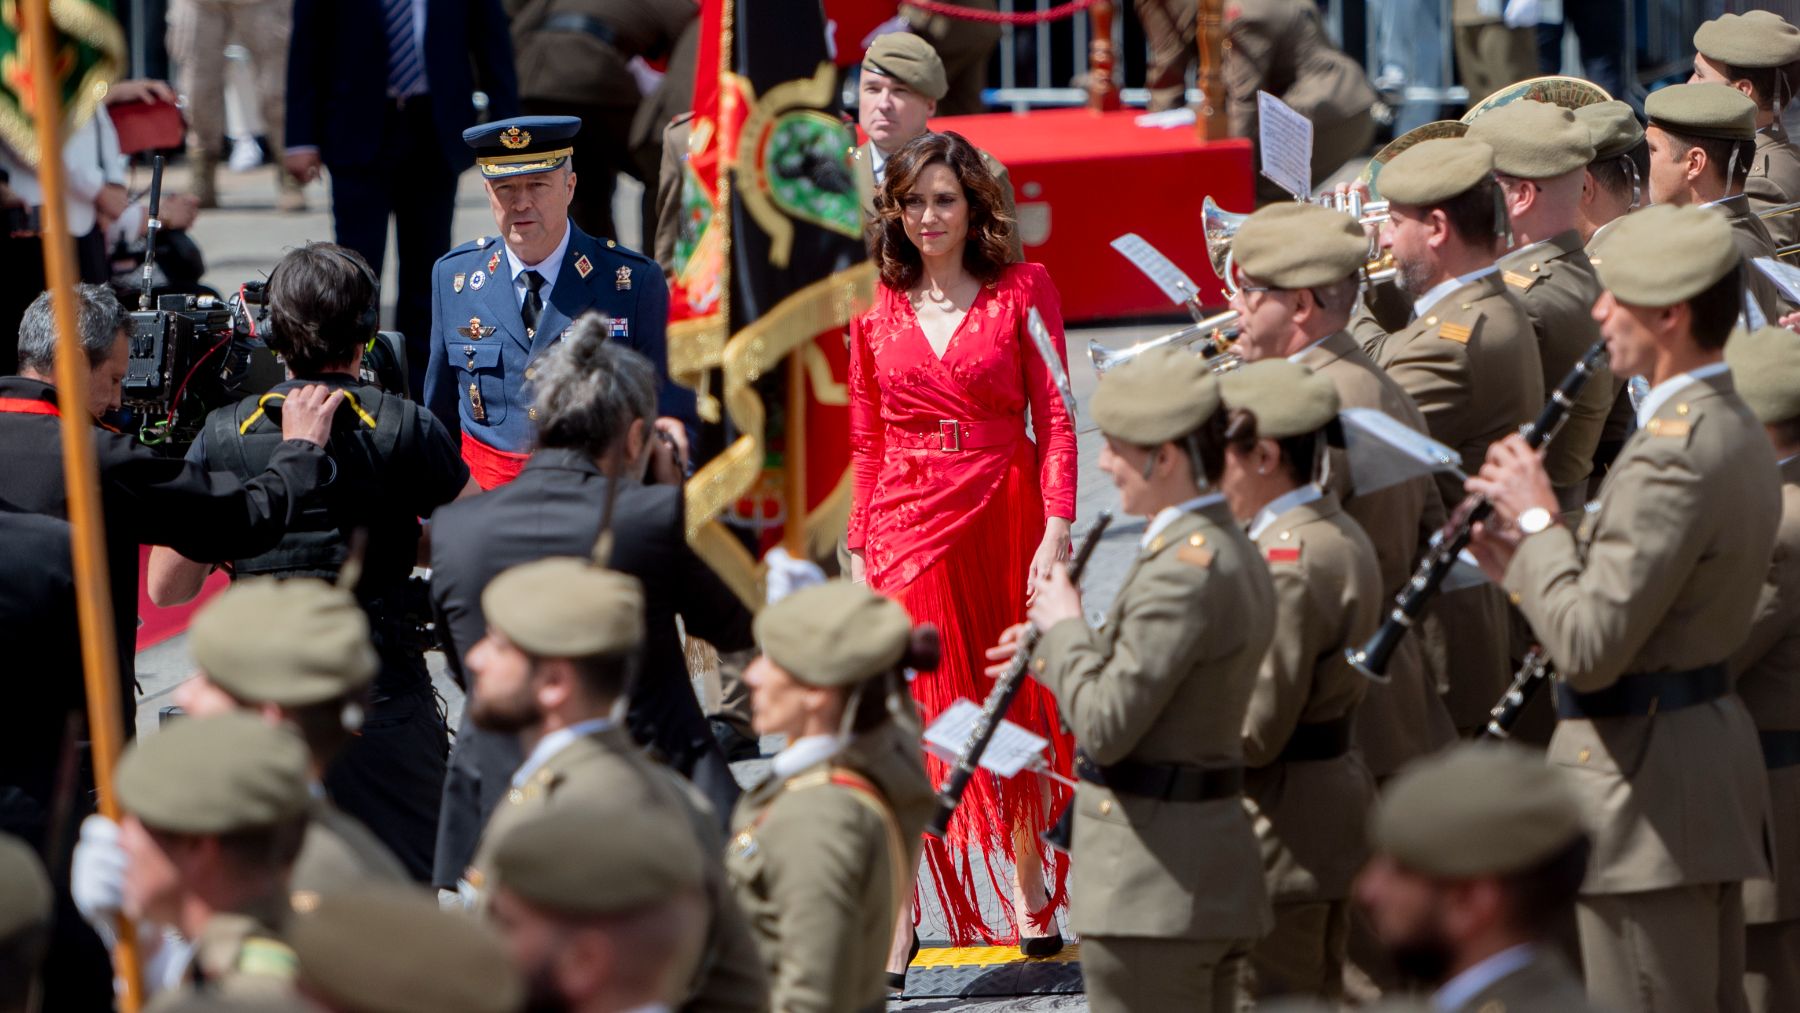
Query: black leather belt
x=1170, y=782
x=586, y=24
x=1325, y=740
x=1780, y=749
x=1645, y=693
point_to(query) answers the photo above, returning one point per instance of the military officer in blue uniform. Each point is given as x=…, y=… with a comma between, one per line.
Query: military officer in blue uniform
x=499, y=301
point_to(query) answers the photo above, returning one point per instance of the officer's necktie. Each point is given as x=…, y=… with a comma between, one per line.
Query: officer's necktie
x=533, y=306
x=406, y=65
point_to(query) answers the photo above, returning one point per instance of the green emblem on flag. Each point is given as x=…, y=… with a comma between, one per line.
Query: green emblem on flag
x=89, y=53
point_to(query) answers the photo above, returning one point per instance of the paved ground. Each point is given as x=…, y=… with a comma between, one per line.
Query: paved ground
x=245, y=237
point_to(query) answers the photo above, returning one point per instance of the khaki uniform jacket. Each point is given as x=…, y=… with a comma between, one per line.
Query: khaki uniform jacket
x=1167, y=679
x=1663, y=576
x=1404, y=717
x=1767, y=667
x=583, y=67
x=1544, y=984
x=1556, y=284
x=338, y=853
x=1472, y=365
x=822, y=866
x=238, y=955
x=606, y=771
x=1753, y=241
x=1775, y=179
x=1278, y=46
x=1311, y=815
x=864, y=160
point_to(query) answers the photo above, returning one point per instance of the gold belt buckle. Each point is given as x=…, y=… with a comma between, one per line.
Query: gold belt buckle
x=949, y=435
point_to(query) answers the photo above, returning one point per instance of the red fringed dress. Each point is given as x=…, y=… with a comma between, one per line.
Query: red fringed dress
x=950, y=501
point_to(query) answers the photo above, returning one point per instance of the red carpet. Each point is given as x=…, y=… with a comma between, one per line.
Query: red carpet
x=1082, y=179
x=156, y=625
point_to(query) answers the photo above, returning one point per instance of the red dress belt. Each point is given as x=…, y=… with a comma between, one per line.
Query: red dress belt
x=951, y=435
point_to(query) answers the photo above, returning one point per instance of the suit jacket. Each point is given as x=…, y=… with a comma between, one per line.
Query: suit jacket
x=1775, y=179
x=1767, y=667
x=337, y=76
x=1555, y=282
x=863, y=158
x=475, y=281
x=1404, y=717
x=1167, y=679
x=1663, y=576
x=1753, y=240
x=1310, y=815
x=605, y=772
x=553, y=508
x=1471, y=363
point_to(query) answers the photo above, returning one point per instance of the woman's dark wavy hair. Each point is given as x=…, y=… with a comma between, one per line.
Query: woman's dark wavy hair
x=988, y=247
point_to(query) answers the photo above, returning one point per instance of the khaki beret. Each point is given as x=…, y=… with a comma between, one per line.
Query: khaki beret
x=390, y=949
x=212, y=1002
x=1162, y=395
x=1434, y=171
x=1612, y=126
x=1534, y=140
x=590, y=862
x=1287, y=398
x=1703, y=110
x=1477, y=809
x=1664, y=254
x=215, y=775
x=1291, y=245
x=24, y=891
x=1765, y=366
x=834, y=634
x=909, y=59
x=1755, y=39
x=565, y=607
x=287, y=642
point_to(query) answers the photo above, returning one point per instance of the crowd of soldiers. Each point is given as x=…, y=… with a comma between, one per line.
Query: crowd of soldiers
x=1256, y=819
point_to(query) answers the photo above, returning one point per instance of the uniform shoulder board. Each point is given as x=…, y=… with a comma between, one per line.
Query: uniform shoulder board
x=1194, y=552
x=1282, y=554
x=267, y=958
x=1523, y=281
x=1678, y=428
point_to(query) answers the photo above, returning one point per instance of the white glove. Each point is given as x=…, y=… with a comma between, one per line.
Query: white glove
x=97, y=875
x=787, y=574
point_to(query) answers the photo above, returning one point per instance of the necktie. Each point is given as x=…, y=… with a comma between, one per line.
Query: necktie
x=533, y=306
x=406, y=65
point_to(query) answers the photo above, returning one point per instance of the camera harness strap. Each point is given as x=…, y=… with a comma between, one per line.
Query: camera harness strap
x=27, y=406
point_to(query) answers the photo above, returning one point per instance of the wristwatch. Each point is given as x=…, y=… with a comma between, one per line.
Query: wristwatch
x=1535, y=520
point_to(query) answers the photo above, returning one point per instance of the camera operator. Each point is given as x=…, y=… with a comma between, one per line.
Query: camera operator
x=395, y=464
x=146, y=499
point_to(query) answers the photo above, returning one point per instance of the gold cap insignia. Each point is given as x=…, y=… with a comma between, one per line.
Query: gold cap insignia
x=512, y=138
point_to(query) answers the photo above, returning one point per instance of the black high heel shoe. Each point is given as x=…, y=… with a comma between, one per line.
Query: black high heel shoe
x=897, y=979
x=1040, y=946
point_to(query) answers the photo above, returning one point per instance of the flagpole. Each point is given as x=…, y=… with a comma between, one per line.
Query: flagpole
x=793, y=530
x=86, y=536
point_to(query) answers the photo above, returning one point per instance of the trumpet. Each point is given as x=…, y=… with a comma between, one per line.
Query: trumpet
x=1219, y=227
x=1214, y=335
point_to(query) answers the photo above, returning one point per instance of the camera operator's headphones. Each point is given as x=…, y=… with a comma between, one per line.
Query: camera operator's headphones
x=369, y=320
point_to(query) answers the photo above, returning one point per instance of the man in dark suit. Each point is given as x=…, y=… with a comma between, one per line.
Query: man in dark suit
x=596, y=422
x=380, y=93
x=500, y=302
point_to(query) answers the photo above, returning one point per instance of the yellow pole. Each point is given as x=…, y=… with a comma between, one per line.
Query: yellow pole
x=1210, y=119
x=86, y=536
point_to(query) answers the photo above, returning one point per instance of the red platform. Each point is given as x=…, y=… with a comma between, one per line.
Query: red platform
x=156, y=625
x=1082, y=179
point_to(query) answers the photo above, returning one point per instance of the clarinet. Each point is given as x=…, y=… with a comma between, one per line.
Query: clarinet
x=1533, y=675
x=1371, y=659
x=1000, y=698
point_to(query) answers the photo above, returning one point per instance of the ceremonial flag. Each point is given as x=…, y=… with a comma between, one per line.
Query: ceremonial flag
x=770, y=269
x=89, y=51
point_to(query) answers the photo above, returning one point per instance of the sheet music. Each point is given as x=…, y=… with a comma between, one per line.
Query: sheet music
x=1011, y=750
x=1785, y=276
x=1286, y=140
x=1173, y=281
x=1046, y=349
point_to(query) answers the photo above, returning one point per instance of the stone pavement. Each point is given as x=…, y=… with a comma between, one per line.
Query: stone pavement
x=244, y=238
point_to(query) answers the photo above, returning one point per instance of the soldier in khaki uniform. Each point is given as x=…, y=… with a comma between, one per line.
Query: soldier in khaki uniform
x=1752, y=52
x=902, y=83
x=1309, y=260
x=1469, y=359
x=1765, y=365
x=1640, y=610
x=387, y=949
x=563, y=635
x=1541, y=155
x=1478, y=854
x=1490, y=54
x=296, y=652
x=1700, y=139
x=964, y=46
x=1615, y=184
x=1309, y=790
x=822, y=853
x=25, y=914
x=1167, y=888
x=215, y=810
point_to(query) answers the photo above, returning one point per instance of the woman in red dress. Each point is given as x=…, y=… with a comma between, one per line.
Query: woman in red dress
x=956, y=510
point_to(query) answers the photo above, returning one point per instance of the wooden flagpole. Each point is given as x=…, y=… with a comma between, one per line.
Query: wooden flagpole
x=99, y=657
